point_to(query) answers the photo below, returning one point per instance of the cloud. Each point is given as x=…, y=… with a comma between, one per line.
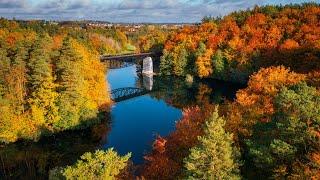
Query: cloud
x=6, y=4
x=65, y=4
x=147, y=4
x=127, y=10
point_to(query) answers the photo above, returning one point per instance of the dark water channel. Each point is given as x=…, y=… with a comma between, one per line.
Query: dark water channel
x=132, y=126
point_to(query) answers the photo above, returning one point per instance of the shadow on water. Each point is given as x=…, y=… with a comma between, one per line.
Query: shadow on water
x=180, y=94
x=27, y=160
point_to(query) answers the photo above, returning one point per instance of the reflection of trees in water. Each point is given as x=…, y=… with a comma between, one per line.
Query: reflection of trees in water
x=203, y=94
x=176, y=92
x=34, y=160
x=116, y=64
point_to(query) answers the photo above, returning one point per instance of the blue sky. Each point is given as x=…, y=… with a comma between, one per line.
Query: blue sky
x=128, y=10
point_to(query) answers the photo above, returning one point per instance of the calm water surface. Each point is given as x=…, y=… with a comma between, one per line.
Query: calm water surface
x=136, y=122
x=132, y=126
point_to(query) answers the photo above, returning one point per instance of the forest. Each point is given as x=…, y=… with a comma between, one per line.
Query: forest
x=271, y=129
x=51, y=80
x=233, y=47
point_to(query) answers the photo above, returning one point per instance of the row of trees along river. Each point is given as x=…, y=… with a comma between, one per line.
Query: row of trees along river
x=237, y=97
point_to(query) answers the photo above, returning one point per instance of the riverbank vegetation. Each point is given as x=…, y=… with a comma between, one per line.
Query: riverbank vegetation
x=49, y=81
x=271, y=129
x=34, y=160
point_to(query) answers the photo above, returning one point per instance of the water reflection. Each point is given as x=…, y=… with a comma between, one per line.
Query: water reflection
x=180, y=94
x=33, y=160
x=137, y=121
x=147, y=81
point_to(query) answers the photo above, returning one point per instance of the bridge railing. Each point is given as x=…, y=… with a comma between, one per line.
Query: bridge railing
x=123, y=56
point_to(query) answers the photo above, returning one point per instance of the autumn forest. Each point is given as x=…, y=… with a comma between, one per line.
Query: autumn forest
x=52, y=81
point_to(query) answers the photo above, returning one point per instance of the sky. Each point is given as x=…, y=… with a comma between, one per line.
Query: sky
x=128, y=11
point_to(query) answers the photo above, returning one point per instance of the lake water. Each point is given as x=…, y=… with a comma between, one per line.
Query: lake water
x=132, y=126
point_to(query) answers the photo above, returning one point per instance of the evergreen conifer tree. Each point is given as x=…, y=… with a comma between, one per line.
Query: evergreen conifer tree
x=42, y=98
x=215, y=157
x=166, y=65
x=70, y=80
x=218, y=65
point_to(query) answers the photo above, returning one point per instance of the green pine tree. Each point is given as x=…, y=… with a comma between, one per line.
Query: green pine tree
x=201, y=49
x=43, y=95
x=17, y=78
x=166, y=65
x=219, y=65
x=180, y=60
x=70, y=80
x=6, y=110
x=288, y=146
x=215, y=157
x=4, y=68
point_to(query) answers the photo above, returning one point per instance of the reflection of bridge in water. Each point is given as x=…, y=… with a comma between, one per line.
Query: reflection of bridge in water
x=122, y=61
x=126, y=93
x=122, y=94
x=115, y=64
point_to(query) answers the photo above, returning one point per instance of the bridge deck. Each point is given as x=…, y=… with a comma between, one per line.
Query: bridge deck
x=123, y=56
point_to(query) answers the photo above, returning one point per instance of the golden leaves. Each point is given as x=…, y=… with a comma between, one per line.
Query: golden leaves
x=263, y=86
x=204, y=64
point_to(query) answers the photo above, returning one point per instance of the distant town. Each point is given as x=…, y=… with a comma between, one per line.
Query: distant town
x=129, y=27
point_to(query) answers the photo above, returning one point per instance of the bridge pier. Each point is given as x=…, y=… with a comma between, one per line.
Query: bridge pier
x=147, y=66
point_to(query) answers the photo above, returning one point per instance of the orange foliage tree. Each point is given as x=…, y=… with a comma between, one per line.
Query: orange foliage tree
x=255, y=104
x=167, y=162
x=252, y=39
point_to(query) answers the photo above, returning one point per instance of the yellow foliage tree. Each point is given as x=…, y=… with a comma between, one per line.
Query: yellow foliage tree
x=95, y=86
x=204, y=64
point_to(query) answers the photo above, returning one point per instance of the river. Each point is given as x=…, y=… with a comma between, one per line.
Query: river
x=132, y=126
x=137, y=121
